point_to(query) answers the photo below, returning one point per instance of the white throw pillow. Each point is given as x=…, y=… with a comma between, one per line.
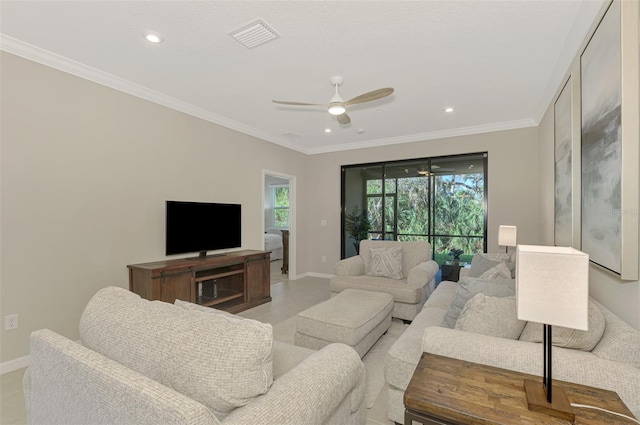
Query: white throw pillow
x=570, y=338
x=491, y=316
x=468, y=287
x=501, y=271
x=220, y=360
x=386, y=262
x=482, y=262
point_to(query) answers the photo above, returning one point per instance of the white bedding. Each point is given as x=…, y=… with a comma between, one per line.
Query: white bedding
x=273, y=243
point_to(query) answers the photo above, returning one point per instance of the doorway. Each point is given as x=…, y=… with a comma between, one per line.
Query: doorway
x=278, y=221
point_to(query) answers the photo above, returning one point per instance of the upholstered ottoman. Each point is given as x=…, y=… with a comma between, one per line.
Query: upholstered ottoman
x=353, y=317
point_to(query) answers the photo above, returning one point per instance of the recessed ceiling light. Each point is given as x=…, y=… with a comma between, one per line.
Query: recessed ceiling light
x=360, y=131
x=327, y=130
x=449, y=109
x=152, y=37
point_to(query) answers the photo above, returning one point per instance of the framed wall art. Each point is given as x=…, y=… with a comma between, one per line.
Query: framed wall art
x=609, y=142
x=563, y=198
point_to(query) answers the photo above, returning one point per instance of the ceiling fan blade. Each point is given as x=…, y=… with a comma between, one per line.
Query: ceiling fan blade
x=343, y=118
x=372, y=95
x=284, y=102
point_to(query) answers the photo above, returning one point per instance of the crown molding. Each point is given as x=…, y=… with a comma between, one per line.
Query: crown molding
x=464, y=131
x=47, y=58
x=61, y=63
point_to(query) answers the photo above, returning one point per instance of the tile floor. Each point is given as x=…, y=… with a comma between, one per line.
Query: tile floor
x=289, y=298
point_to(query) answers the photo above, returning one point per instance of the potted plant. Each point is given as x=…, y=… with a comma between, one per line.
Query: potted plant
x=455, y=253
x=358, y=226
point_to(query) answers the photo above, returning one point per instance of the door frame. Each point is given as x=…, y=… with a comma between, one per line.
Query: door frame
x=292, y=216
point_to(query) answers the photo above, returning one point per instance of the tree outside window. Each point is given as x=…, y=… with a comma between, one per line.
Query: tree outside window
x=441, y=200
x=280, y=202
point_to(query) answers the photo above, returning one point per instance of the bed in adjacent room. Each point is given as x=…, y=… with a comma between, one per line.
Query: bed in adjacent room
x=273, y=243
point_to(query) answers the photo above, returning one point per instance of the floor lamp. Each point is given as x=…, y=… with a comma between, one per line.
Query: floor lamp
x=552, y=288
x=507, y=236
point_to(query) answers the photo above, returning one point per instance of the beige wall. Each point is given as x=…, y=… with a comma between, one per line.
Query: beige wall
x=85, y=174
x=512, y=182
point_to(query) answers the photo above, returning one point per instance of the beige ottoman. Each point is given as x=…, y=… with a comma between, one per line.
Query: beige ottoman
x=353, y=317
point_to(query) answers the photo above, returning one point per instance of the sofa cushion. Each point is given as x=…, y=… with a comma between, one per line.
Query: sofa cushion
x=570, y=338
x=620, y=342
x=500, y=271
x=285, y=356
x=491, y=316
x=469, y=286
x=219, y=360
x=482, y=262
x=413, y=253
x=386, y=262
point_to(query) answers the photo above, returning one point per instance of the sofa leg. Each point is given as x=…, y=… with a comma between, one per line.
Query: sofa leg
x=406, y=322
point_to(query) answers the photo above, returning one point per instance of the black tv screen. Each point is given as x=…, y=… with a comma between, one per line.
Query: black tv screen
x=202, y=226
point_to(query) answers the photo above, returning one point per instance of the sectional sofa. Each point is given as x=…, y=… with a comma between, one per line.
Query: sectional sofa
x=608, y=357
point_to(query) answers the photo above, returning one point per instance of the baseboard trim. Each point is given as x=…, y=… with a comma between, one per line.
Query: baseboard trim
x=15, y=364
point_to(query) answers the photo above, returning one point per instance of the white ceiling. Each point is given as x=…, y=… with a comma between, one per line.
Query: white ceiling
x=498, y=63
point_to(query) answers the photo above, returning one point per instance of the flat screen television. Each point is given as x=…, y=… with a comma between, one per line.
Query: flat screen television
x=202, y=226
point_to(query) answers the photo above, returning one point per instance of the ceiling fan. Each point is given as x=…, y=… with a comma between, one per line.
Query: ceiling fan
x=337, y=106
x=435, y=169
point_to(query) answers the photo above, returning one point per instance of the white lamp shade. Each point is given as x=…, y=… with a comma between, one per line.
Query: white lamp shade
x=507, y=235
x=552, y=286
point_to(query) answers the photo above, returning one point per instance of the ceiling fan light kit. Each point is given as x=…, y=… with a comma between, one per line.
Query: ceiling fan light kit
x=337, y=106
x=337, y=109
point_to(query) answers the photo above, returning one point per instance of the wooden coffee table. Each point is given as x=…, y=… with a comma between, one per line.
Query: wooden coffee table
x=448, y=391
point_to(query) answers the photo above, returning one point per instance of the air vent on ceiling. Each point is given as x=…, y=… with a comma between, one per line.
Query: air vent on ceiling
x=254, y=34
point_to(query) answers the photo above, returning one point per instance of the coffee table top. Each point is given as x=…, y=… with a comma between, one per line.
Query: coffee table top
x=470, y=393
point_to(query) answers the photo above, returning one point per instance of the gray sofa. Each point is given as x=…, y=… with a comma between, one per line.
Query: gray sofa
x=410, y=290
x=613, y=364
x=148, y=362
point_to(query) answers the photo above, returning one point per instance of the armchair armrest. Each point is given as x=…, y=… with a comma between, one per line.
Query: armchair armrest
x=68, y=383
x=352, y=266
x=311, y=392
x=423, y=273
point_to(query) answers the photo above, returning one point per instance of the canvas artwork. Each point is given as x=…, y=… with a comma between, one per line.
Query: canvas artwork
x=563, y=194
x=602, y=143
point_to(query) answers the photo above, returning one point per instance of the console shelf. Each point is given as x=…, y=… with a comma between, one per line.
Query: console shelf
x=223, y=296
x=232, y=282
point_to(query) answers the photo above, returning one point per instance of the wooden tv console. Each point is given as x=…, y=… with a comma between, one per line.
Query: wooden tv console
x=233, y=282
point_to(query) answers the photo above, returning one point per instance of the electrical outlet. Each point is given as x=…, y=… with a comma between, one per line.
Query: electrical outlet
x=10, y=322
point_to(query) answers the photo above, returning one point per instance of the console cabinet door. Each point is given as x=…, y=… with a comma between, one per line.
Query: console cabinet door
x=175, y=286
x=258, y=278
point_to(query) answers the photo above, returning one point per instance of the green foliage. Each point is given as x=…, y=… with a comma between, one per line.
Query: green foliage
x=281, y=218
x=458, y=210
x=281, y=207
x=281, y=196
x=358, y=226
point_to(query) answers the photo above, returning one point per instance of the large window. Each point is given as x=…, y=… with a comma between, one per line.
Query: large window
x=441, y=200
x=280, y=202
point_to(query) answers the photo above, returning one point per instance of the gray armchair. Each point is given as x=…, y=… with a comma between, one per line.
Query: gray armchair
x=409, y=293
